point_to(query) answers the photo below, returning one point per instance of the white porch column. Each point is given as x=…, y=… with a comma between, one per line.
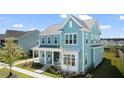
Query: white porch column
x=52, y=58
x=45, y=56
x=33, y=55
x=39, y=55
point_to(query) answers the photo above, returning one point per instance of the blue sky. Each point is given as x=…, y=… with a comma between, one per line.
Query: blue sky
x=112, y=25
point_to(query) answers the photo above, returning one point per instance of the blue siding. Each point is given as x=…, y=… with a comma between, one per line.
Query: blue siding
x=29, y=41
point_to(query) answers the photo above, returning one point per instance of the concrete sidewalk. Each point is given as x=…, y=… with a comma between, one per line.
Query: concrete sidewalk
x=33, y=74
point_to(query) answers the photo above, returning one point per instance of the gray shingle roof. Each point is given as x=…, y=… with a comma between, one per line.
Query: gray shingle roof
x=17, y=34
x=52, y=29
x=88, y=24
x=14, y=33
x=84, y=25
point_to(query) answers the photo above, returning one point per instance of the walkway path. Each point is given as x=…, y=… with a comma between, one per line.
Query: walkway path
x=33, y=74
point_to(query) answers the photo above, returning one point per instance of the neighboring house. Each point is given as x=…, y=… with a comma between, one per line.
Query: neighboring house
x=2, y=40
x=73, y=45
x=26, y=40
x=108, y=42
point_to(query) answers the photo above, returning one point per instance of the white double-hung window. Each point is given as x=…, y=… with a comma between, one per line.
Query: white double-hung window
x=70, y=38
x=56, y=40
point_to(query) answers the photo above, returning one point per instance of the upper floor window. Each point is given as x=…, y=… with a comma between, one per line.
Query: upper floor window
x=74, y=38
x=86, y=38
x=71, y=38
x=92, y=39
x=56, y=40
x=66, y=39
x=42, y=40
x=70, y=24
x=48, y=40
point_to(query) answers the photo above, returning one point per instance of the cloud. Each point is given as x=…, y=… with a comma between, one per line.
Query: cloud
x=2, y=31
x=105, y=26
x=32, y=29
x=121, y=17
x=63, y=16
x=18, y=25
x=84, y=17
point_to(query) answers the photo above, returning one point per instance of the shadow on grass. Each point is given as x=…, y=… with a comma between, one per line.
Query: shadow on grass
x=106, y=70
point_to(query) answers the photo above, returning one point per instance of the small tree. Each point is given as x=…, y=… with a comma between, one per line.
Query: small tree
x=10, y=53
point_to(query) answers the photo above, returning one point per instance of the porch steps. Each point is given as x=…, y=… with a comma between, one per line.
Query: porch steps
x=44, y=68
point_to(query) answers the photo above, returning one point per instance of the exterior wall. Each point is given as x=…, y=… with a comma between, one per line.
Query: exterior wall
x=29, y=41
x=97, y=56
x=75, y=29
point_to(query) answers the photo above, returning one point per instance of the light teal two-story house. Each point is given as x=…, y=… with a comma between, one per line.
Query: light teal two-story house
x=73, y=45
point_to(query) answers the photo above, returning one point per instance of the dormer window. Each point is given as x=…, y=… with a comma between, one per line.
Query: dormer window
x=70, y=24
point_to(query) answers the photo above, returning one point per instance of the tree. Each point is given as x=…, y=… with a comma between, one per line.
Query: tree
x=10, y=53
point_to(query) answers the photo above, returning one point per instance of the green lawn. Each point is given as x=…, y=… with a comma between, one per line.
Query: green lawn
x=4, y=72
x=26, y=67
x=51, y=75
x=33, y=70
x=115, y=61
x=111, y=67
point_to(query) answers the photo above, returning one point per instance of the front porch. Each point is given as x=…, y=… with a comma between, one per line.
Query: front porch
x=48, y=56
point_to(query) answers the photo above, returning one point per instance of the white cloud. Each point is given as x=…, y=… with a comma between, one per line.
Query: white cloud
x=84, y=17
x=121, y=17
x=2, y=31
x=32, y=29
x=105, y=26
x=63, y=16
x=18, y=25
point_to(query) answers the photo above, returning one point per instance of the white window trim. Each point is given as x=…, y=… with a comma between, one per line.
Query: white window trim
x=72, y=38
x=70, y=24
x=57, y=40
x=86, y=35
x=44, y=40
x=47, y=40
x=92, y=39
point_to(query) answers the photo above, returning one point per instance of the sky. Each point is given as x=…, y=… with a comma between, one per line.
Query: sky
x=111, y=25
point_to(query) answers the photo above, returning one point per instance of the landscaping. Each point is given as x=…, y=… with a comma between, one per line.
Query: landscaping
x=111, y=67
x=4, y=72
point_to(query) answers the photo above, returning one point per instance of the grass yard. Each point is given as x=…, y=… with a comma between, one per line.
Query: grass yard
x=111, y=67
x=26, y=67
x=51, y=75
x=33, y=70
x=4, y=72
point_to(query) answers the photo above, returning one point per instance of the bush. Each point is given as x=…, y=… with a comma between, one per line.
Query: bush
x=54, y=70
x=33, y=65
x=37, y=65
